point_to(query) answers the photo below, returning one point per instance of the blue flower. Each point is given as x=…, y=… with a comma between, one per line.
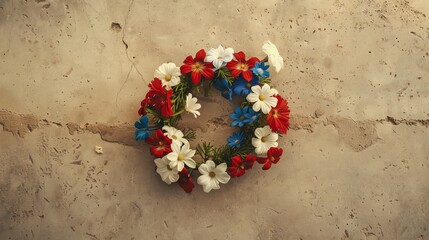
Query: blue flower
x=223, y=86
x=142, y=131
x=238, y=117
x=261, y=69
x=242, y=87
x=250, y=115
x=235, y=140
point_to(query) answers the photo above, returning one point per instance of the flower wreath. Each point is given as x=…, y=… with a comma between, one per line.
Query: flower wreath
x=261, y=118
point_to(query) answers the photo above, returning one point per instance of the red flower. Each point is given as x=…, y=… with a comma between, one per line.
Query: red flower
x=273, y=156
x=158, y=98
x=143, y=106
x=239, y=165
x=197, y=67
x=278, y=117
x=242, y=66
x=161, y=144
x=185, y=181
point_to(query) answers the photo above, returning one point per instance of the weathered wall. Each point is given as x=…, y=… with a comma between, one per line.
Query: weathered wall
x=356, y=159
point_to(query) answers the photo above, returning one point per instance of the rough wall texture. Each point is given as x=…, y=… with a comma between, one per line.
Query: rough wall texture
x=356, y=162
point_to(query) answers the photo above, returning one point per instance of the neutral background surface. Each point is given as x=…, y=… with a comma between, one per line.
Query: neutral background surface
x=356, y=158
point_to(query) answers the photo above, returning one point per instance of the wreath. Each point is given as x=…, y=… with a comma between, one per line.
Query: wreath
x=261, y=118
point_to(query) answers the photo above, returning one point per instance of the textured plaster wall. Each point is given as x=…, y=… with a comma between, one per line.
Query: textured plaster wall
x=356, y=162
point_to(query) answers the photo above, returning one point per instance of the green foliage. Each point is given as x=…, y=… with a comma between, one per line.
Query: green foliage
x=226, y=74
x=223, y=153
x=180, y=91
x=189, y=134
x=264, y=80
x=205, y=151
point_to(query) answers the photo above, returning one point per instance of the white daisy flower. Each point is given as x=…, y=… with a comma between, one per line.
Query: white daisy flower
x=169, y=74
x=262, y=98
x=219, y=57
x=211, y=175
x=265, y=139
x=191, y=105
x=180, y=156
x=174, y=134
x=274, y=58
x=164, y=170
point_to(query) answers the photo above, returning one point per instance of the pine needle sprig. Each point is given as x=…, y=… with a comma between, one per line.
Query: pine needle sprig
x=225, y=74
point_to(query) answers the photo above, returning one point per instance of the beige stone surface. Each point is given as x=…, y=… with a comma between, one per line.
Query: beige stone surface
x=356, y=162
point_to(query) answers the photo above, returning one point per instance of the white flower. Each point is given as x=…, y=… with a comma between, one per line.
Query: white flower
x=174, y=134
x=212, y=175
x=191, y=105
x=262, y=98
x=219, y=57
x=274, y=57
x=180, y=156
x=169, y=74
x=265, y=139
x=167, y=173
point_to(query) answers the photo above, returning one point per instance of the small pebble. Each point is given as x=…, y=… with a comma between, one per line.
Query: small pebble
x=98, y=149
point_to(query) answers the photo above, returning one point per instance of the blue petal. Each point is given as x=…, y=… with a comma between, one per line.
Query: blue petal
x=144, y=120
x=138, y=125
x=234, y=116
x=141, y=134
x=245, y=109
x=233, y=124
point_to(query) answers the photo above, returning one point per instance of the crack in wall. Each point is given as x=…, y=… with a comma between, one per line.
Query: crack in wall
x=133, y=64
x=358, y=135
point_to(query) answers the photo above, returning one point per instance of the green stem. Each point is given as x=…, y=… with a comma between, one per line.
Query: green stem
x=178, y=113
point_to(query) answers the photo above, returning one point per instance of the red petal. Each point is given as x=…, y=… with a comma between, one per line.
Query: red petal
x=185, y=181
x=276, y=160
x=196, y=77
x=157, y=151
x=240, y=172
x=236, y=160
x=232, y=171
x=150, y=140
x=232, y=65
x=240, y=56
x=156, y=84
x=200, y=55
x=208, y=73
x=275, y=152
x=251, y=62
x=261, y=160
x=235, y=72
x=247, y=75
x=189, y=60
x=159, y=134
x=184, y=69
x=166, y=110
x=267, y=165
x=249, y=161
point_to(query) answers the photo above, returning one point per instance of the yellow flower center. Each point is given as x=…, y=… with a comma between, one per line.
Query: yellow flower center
x=248, y=85
x=160, y=143
x=261, y=97
x=168, y=77
x=275, y=113
x=180, y=157
x=174, y=137
x=241, y=117
x=242, y=66
x=212, y=174
x=264, y=139
x=197, y=67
